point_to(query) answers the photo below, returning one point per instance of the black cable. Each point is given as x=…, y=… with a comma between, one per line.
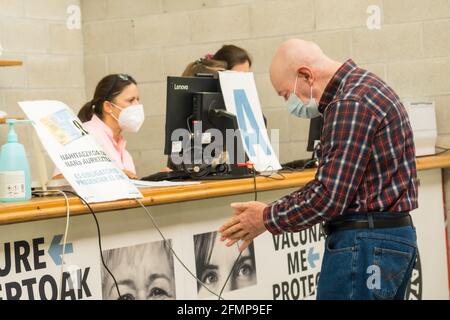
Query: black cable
x=188, y=122
x=204, y=171
x=99, y=240
x=231, y=272
x=444, y=150
x=255, y=190
x=286, y=169
x=308, y=163
x=273, y=175
x=314, y=156
x=254, y=184
x=168, y=243
x=431, y=155
x=193, y=176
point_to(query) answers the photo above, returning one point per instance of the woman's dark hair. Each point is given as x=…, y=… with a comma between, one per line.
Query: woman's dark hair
x=233, y=56
x=204, y=65
x=203, y=247
x=107, y=89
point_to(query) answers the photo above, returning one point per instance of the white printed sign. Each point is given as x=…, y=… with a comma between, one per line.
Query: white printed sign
x=88, y=169
x=241, y=99
x=35, y=266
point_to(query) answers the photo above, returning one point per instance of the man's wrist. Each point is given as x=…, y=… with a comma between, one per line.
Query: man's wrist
x=269, y=220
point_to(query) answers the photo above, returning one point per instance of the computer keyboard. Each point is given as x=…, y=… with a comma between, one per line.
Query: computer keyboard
x=301, y=164
x=167, y=176
x=182, y=176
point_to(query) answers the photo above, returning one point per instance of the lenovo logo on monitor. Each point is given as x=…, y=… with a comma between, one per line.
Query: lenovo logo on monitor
x=184, y=87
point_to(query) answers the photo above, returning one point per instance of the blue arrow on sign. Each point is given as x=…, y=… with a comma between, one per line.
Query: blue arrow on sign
x=55, y=250
x=312, y=257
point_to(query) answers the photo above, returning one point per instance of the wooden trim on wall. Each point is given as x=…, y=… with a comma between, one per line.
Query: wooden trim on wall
x=10, y=63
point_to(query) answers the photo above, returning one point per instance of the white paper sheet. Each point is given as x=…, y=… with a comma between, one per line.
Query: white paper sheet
x=88, y=169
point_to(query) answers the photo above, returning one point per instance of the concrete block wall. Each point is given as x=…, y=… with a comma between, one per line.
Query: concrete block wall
x=36, y=32
x=155, y=38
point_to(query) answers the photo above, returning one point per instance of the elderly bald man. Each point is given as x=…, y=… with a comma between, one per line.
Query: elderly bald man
x=365, y=185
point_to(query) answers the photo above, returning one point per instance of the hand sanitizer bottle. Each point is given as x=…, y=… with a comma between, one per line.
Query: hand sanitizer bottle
x=15, y=180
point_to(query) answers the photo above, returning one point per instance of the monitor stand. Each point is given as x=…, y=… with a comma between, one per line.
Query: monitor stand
x=233, y=172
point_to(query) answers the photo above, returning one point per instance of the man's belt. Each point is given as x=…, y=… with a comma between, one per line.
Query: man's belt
x=402, y=220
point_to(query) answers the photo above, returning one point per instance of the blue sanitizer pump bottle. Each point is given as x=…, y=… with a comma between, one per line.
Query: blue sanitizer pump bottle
x=15, y=180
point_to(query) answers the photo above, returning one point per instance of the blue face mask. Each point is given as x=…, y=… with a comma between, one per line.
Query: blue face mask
x=300, y=109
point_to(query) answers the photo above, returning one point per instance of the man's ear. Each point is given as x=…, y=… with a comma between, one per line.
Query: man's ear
x=306, y=73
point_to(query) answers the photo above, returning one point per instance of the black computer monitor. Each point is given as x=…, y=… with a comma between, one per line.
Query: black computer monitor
x=315, y=130
x=191, y=100
x=179, y=106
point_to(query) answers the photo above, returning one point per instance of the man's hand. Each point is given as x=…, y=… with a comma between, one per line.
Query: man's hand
x=246, y=224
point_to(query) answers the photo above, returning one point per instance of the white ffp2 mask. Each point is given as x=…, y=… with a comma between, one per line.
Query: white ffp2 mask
x=130, y=118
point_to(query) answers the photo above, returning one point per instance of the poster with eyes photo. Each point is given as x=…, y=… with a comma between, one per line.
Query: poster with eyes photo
x=214, y=264
x=143, y=272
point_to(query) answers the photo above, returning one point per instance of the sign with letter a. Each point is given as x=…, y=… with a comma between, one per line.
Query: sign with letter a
x=241, y=99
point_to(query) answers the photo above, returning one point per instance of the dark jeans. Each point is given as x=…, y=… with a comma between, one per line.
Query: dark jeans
x=367, y=264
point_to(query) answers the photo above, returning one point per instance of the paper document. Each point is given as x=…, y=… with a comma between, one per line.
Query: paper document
x=81, y=160
x=162, y=184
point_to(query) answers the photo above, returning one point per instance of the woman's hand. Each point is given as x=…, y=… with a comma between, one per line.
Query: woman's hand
x=130, y=174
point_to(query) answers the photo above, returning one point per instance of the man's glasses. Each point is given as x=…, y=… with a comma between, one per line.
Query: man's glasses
x=123, y=77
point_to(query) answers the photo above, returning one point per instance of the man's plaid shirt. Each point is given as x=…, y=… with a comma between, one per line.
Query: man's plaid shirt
x=367, y=157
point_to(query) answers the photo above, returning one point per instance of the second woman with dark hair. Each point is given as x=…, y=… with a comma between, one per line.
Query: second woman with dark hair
x=114, y=109
x=237, y=58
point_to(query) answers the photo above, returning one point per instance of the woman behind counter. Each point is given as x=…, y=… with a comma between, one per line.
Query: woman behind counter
x=114, y=109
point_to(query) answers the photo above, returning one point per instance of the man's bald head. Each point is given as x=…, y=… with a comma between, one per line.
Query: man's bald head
x=299, y=57
x=296, y=52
